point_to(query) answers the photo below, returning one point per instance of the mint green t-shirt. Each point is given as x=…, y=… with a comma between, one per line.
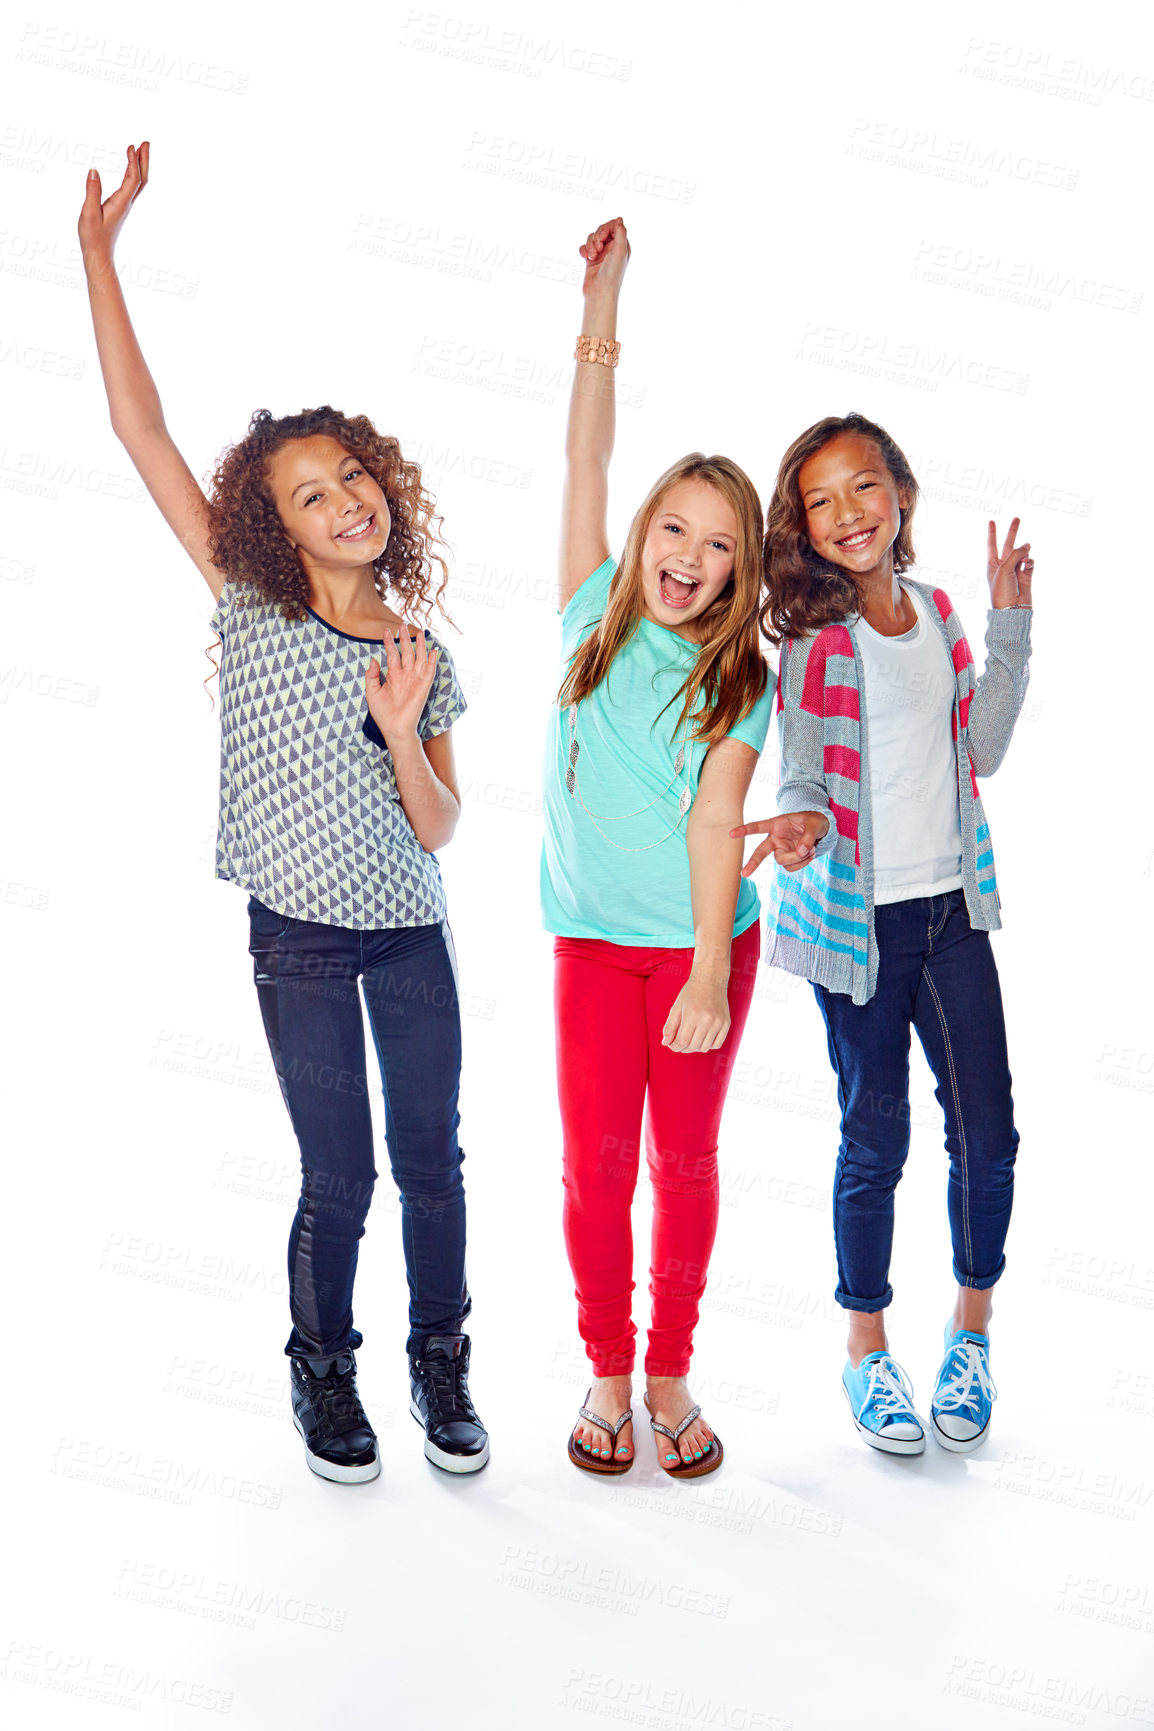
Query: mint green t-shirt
x=594, y=887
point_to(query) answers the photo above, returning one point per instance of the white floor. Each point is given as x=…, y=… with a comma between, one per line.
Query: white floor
x=177, y=1553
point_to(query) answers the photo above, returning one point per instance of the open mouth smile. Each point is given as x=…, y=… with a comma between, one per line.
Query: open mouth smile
x=676, y=589
x=360, y=531
x=860, y=538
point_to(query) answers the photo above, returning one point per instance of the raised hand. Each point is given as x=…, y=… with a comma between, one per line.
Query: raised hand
x=397, y=696
x=1010, y=572
x=592, y=414
x=100, y=223
x=606, y=253
x=792, y=839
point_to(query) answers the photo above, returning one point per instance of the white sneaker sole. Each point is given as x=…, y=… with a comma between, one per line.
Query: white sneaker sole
x=955, y=1445
x=890, y=1445
x=450, y=1463
x=336, y=1474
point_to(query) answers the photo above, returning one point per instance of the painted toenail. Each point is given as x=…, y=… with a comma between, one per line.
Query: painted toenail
x=697, y=1454
x=671, y=1457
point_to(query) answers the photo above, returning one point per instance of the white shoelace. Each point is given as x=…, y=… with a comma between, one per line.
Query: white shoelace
x=958, y=1391
x=889, y=1390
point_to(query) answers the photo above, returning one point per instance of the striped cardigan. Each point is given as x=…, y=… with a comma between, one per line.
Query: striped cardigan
x=821, y=919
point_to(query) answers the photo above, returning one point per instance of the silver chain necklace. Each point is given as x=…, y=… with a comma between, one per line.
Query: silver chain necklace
x=684, y=802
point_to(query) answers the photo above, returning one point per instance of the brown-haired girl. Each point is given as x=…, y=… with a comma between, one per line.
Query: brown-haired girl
x=337, y=783
x=662, y=712
x=885, y=893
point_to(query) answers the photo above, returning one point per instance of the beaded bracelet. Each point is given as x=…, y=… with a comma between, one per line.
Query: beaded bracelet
x=597, y=349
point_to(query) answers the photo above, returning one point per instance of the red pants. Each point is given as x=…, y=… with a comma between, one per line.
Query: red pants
x=612, y=1001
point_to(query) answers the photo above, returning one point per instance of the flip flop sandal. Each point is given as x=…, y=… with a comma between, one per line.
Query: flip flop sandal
x=584, y=1458
x=710, y=1460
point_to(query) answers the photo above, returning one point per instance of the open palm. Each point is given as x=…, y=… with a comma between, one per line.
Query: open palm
x=397, y=693
x=101, y=222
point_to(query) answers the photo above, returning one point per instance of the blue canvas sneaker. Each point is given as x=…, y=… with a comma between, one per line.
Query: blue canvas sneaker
x=964, y=1396
x=881, y=1400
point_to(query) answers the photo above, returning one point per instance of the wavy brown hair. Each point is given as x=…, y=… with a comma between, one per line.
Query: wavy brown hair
x=729, y=674
x=805, y=591
x=248, y=543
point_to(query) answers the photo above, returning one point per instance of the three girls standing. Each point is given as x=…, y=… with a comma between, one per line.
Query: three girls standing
x=337, y=785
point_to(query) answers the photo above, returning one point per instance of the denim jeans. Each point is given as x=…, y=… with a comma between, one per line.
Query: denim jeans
x=937, y=975
x=306, y=979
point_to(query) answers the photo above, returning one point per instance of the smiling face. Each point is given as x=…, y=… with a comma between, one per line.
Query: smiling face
x=687, y=555
x=333, y=511
x=852, y=505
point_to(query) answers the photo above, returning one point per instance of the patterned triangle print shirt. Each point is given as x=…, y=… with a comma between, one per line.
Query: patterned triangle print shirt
x=310, y=819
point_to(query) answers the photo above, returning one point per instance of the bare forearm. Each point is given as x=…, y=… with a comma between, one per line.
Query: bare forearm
x=714, y=880
x=133, y=399
x=715, y=856
x=588, y=449
x=430, y=806
x=592, y=416
x=592, y=402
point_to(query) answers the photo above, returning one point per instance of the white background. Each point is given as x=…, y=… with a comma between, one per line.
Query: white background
x=939, y=220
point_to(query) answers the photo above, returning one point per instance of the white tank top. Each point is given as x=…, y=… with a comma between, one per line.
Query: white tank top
x=909, y=704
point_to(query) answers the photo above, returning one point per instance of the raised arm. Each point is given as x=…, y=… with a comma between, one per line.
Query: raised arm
x=589, y=437
x=1001, y=690
x=133, y=400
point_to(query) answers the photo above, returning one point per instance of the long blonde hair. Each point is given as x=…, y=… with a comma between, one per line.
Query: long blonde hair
x=729, y=673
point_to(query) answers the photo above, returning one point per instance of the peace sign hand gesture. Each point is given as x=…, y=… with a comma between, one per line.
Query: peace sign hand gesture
x=100, y=223
x=1010, y=572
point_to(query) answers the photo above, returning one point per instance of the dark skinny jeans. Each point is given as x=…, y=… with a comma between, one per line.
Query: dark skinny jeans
x=306, y=978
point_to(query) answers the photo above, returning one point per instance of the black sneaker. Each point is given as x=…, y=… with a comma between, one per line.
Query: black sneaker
x=340, y=1443
x=455, y=1438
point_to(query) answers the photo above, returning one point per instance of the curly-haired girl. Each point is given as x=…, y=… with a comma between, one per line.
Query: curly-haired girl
x=337, y=783
x=885, y=895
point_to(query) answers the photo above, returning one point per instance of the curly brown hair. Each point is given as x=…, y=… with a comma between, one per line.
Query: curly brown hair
x=806, y=592
x=245, y=535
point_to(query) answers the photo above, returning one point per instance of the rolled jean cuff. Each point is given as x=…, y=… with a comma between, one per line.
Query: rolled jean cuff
x=849, y=1303
x=415, y=1341
x=980, y=1282
x=296, y=1348
x=452, y=1325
